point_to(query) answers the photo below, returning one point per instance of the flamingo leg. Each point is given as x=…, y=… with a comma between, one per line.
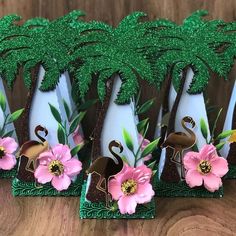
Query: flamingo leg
x=175, y=154
x=99, y=187
x=173, y=159
x=182, y=166
x=28, y=168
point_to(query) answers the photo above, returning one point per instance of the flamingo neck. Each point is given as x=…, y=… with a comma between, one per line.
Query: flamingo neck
x=118, y=160
x=190, y=132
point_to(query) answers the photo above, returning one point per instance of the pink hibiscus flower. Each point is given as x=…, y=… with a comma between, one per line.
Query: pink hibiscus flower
x=7, y=147
x=77, y=137
x=58, y=167
x=144, y=144
x=131, y=187
x=205, y=167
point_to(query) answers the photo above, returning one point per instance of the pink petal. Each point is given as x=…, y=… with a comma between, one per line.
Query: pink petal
x=72, y=167
x=125, y=175
x=212, y=182
x=9, y=144
x=127, y=204
x=46, y=157
x=219, y=166
x=42, y=174
x=120, y=175
x=114, y=188
x=207, y=152
x=7, y=162
x=78, y=139
x=148, y=157
x=193, y=178
x=142, y=174
x=61, y=152
x=191, y=160
x=144, y=193
x=61, y=182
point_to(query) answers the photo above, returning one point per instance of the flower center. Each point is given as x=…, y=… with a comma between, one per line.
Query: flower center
x=129, y=187
x=204, y=167
x=56, y=167
x=2, y=152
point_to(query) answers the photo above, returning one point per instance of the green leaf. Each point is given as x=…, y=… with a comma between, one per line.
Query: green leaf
x=87, y=104
x=2, y=102
x=146, y=106
x=151, y=165
x=124, y=159
x=154, y=172
x=8, y=134
x=61, y=134
x=75, y=150
x=141, y=126
x=67, y=109
x=55, y=113
x=225, y=134
x=204, y=128
x=128, y=140
x=150, y=148
x=75, y=122
x=15, y=115
x=220, y=146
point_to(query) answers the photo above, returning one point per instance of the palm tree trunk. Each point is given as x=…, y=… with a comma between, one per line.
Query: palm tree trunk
x=93, y=194
x=170, y=173
x=232, y=151
x=23, y=136
x=165, y=108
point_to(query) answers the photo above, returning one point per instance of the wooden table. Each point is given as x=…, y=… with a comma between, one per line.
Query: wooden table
x=49, y=216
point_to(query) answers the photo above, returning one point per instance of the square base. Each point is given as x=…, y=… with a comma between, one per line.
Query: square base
x=181, y=189
x=7, y=174
x=21, y=188
x=232, y=172
x=89, y=210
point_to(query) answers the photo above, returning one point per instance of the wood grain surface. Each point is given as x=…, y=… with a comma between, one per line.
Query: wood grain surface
x=58, y=216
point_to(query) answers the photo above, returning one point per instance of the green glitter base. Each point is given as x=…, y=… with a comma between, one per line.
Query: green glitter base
x=94, y=210
x=20, y=188
x=7, y=174
x=181, y=189
x=232, y=172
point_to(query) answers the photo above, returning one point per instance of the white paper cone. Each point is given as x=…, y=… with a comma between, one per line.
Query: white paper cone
x=190, y=105
x=158, y=126
x=10, y=126
x=228, y=121
x=40, y=111
x=117, y=118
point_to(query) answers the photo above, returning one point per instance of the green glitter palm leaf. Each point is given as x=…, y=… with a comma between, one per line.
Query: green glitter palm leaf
x=198, y=44
x=116, y=51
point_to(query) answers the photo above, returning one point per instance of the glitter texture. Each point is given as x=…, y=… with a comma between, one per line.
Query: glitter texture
x=119, y=50
x=135, y=49
x=202, y=45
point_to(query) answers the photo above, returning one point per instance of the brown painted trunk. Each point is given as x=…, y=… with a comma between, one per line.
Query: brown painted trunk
x=22, y=173
x=165, y=109
x=93, y=194
x=232, y=151
x=170, y=173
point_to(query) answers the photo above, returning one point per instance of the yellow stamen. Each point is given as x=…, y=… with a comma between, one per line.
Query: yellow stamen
x=56, y=168
x=204, y=167
x=2, y=151
x=129, y=187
